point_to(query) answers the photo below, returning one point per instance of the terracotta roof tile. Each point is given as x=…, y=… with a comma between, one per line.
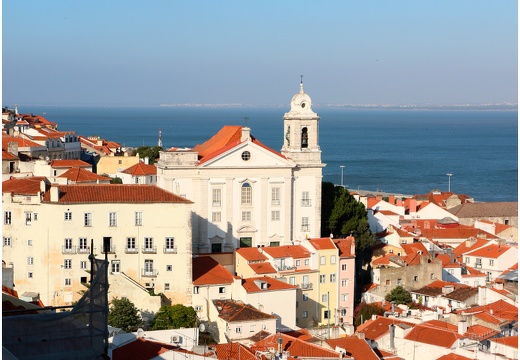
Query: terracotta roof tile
x=8, y=156
x=234, y=351
x=263, y=268
x=465, y=246
x=499, y=310
x=69, y=164
x=485, y=209
x=141, y=169
x=252, y=253
x=492, y=251
x=296, y=347
x=293, y=251
x=251, y=284
x=480, y=332
x=237, y=311
x=225, y=136
x=452, y=356
x=374, y=329
x=345, y=247
x=433, y=335
x=207, y=271
x=322, y=244
x=80, y=175
x=114, y=193
x=511, y=341
x=22, y=142
x=23, y=186
x=141, y=349
x=354, y=347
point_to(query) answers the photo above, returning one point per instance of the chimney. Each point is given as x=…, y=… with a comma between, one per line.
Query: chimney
x=447, y=289
x=499, y=285
x=392, y=336
x=360, y=335
x=55, y=193
x=413, y=207
x=391, y=199
x=399, y=202
x=147, y=160
x=379, y=197
x=462, y=327
x=12, y=147
x=246, y=134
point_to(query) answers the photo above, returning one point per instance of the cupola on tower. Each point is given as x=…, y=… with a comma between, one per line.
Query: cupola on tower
x=301, y=131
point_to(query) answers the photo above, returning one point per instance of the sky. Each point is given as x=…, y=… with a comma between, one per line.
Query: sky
x=125, y=52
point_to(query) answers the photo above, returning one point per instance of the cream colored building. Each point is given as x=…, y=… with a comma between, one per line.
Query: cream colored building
x=246, y=194
x=47, y=234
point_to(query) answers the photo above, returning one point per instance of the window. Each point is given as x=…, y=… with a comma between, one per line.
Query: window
x=506, y=222
x=169, y=245
x=305, y=224
x=112, y=219
x=246, y=215
x=246, y=155
x=388, y=282
x=305, y=297
x=28, y=218
x=221, y=290
x=324, y=297
x=292, y=280
x=275, y=215
x=30, y=260
x=432, y=276
x=416, y=278
x=238, y=329
x=298, y=262
x=83, y=248
x=326, y=314
x=344, y=282
x=115, y=266
x=29, y=243
x=246, y=242
x=306, y=262
x=399, y=281
x=148, y=268
x=333, y=259
x=169, y=267
x=68, y=282
x=343, y=267
x=343, y=312
x=30, y=275
x=67, y=264
x=322, y=260
x=7, y=241
x=491, y=262
x=323, y=279
x=344, y=297
x=306, y=201
x=275, y=196
x=195, y=289
x=148, y=243
x=216, y=217
x=87, y=219
x=478, y=262
x=130, y=244
x=83, y=264
x=217, y=197
x=451, y=271
x=167, y=286
x=35, y=216
x=246, y=194
x=138, y=217
x=305, y=314
x=467, y=260
x=252, y=328
x=332, y=277
x=67, y=248
x=7, y=217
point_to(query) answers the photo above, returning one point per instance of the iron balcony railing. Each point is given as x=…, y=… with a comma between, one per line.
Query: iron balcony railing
x=149, y=249
x=149, y=272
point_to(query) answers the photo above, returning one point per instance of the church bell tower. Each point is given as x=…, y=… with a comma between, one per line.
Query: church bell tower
x=301, y=131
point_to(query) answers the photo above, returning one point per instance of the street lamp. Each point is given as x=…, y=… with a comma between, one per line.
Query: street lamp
x=342, y=166
x=449, y=182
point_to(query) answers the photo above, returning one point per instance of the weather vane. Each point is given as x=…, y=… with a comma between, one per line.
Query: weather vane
x=301, y=79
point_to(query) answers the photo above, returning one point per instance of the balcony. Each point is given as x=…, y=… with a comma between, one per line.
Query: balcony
x=306, y=202
x=285, y=267
x=305, y=286
x=305, y=228
x=478, y=265
x=68, y=249
x=111, y=249
x=149, y=272
x=84, y=250
x=170, y=250
x=131, y=250
x=149, y=249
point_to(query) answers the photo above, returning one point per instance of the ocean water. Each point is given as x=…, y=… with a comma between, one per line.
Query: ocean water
x=399, y=151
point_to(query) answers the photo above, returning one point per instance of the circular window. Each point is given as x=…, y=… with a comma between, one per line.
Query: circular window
x=246, y=155
x=303, y=105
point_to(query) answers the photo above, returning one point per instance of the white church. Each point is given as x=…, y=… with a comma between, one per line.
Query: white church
x=246, y=194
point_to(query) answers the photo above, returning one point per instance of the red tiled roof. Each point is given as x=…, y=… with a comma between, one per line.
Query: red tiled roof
x=252, y=253
x=498, y=309
x=354, y=347
x=8, y=156
x=236, y=311
x=453, y=356
x=322, y=243
x=345, y=247
x=9, y=291
x=433, y=335
x=374, y=329
x=263, y=268
x=141, y=169
x=511, y=341
x=141, y=349
x=23, y=186
x=293, y=251
x=480, y=332
x=79, y=175
x=22, y=142
x=227, y=135
x=69, y=164
x=250, y=284
x=296, y=347
x=207, y=271
x=234, y=351
x=464, y=248
x=492, y=251
x=114, y=193
x=458, y=232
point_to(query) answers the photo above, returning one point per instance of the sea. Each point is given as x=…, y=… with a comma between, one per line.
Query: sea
x=375, y=150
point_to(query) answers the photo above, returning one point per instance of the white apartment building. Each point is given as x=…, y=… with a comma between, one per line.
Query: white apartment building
x=246, y=194
x=47, y=233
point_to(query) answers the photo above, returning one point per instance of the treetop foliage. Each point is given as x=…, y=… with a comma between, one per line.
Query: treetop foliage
x=124, y=315
x=174, y=317
x=399, y=295
x=150, y=152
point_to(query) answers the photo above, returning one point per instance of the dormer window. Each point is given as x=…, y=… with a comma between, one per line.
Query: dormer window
x=263, y=285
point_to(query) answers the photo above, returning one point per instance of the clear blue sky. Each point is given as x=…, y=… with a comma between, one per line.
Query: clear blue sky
x=123, y=52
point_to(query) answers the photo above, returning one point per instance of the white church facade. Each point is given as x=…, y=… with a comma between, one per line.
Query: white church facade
x=246, y=194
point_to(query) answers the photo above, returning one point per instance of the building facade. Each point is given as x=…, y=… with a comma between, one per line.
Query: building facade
x=246, y=194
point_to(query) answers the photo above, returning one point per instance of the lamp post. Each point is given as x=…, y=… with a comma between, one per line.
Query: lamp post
x=449, y=182
x=342, y=166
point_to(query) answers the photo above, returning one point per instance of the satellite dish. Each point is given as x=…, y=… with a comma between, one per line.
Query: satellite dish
x=202, y=327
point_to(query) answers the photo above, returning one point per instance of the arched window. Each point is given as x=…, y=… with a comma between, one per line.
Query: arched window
x=305, y=138
x=246, y=194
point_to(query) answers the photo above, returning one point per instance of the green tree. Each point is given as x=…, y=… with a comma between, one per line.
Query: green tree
x=124, y=315
x=150, y=152
x=174, y=317
x=399, y=295
x=116, y=180
x=364, y=312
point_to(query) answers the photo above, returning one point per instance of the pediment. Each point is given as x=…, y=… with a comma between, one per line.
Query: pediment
x=246, y=229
